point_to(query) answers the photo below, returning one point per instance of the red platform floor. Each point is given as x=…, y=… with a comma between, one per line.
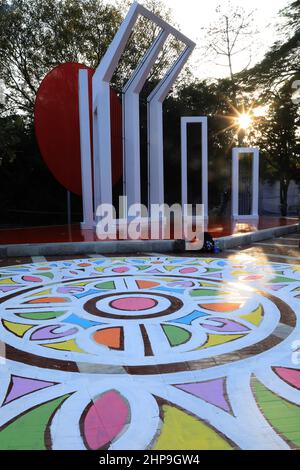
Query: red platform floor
x=218, y=227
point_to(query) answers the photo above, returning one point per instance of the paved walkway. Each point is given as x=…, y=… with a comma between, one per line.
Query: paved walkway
x=152, y=351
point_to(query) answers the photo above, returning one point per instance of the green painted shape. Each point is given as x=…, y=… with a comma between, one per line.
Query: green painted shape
x=108, y=285
x=206, y=292
x=213, y=270
x=49, y=275
x=279, y=279
x=40, y=315
x=283, y=415
x=28, y=431
x=142, y=268
x=176, y=335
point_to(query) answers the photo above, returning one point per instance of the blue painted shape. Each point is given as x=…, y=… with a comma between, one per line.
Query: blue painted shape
x=222, y=263
x=169, y=289
x=188, y=319
x=100, y=261
x=75, y=320
x=85, y=294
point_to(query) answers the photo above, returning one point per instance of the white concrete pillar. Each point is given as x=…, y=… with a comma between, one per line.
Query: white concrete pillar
x=85, y=150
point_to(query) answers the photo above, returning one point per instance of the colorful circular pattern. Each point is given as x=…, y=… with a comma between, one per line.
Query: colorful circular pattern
x=126, y=347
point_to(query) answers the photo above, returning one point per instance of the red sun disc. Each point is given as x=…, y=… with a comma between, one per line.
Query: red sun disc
x=56, y=118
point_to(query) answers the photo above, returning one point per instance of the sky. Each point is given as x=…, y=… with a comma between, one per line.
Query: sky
x=192, y=15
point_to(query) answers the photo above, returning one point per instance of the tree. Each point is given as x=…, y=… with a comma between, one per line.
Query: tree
x=282, y=62
x=278, y=138
x=37, y=35
x=230, y=35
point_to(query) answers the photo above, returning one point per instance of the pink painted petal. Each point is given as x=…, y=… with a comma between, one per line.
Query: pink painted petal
x=291, y=376
x=105, y=420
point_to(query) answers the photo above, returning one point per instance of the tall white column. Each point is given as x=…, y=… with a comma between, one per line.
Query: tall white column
x=101, y=111
x=235, y=183
x=131, y=121
x=255, y=182
x=155, y=127
x=85, y=150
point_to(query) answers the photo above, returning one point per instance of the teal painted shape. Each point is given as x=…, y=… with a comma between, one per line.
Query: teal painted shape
x=83, y=322
x=188, y=319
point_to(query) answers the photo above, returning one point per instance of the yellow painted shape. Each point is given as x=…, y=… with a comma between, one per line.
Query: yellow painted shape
x=256, y=316
x=181, y=431
x=17, y=329
x=69, y=345
x=44, y=292
x=171, y=268
x=208, y=284
x=215, y=340
x=240, y=273
x=8, y=281
x=101, y=269
x=80, y=284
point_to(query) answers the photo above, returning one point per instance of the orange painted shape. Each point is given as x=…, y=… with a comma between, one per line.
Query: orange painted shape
x=111, y=337
x=224, y=307
x=44, y=300
x=147, y=284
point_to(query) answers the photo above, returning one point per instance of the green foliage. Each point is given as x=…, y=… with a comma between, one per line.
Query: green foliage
x=37, y=35
x=282, y=62
x=278, y=138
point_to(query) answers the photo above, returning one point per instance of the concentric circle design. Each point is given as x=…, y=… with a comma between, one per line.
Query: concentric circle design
x=156, y=335
x=133, y=304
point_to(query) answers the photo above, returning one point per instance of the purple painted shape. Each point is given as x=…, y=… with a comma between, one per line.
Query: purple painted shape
x=20, y=386
x=214, y=275
x=9, y=288
x=181, y=284
x=226, y=325
x=48, y=332
x=211, y=391
x=276, y=286
x=69, y=289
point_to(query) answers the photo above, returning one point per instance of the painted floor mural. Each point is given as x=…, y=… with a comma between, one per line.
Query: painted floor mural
x=150, y=353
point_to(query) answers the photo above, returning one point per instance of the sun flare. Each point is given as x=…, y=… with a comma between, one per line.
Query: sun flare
x=244, y=121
